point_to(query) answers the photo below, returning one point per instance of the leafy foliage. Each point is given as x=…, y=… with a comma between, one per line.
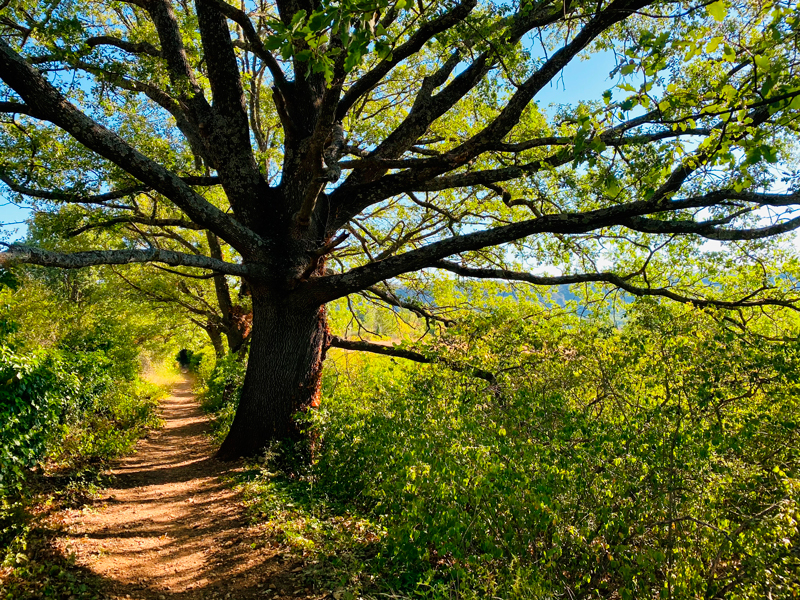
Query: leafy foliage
x=655, y=459
x=221, y=391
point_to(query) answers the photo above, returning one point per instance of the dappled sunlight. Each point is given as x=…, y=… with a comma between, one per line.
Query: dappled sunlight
x=171, y=526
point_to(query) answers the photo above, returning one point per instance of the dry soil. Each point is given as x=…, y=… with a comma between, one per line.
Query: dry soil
x=172, y=527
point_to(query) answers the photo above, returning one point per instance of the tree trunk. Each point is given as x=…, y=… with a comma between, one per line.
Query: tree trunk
x=216, y=340
x=283, y=375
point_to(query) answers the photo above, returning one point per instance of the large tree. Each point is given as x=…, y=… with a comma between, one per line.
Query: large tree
x=341, y=146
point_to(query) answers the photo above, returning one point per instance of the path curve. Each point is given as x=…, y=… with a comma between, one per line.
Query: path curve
x=171, y=527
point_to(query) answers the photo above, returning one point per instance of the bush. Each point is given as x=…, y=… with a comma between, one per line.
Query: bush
x=189, y=360
x=656, y=460
x=60, y=405
x=220, y=393
x=43, y=393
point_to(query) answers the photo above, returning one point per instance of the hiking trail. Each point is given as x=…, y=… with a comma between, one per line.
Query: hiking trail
x=171, y=527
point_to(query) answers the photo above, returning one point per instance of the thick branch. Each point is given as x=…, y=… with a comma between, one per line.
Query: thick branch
x=335, y=286
x=229, y=137
x=183, y=223
x=131, y=47
x=72, y=197
x=76, y=198
x=416, y=175
x=220, y=282
x=423, y=115
x=614, y=13
x=49, y=102
x=440, y=160
x=169, y=34
x=17, y=108
x=184, y=118
x=77, y=260
x=612, y=278
x=387, y=350
x=709, y=230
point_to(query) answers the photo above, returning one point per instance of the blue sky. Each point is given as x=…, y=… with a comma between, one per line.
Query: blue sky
x=10, y=215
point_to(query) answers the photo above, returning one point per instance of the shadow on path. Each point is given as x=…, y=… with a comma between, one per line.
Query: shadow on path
x=171, y=527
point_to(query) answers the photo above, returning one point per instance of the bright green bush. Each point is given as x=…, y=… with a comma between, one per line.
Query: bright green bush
x=42, y=392
x=66, y=406
x=656, y=460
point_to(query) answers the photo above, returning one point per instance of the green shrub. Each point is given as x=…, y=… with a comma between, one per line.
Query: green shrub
x=189, y=360
x=66, y=405
x=43, y=393
x=221, y=391
x=659, y=460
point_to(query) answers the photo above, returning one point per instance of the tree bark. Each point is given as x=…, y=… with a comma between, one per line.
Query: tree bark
x=283, y=377
x=216, y=341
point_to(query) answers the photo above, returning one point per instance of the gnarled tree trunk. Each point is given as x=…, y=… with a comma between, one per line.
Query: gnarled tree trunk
x=283, y=376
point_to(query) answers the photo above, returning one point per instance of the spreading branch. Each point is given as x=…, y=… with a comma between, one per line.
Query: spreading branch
x=394, y=351
x=47, y=101
x=391, y=299
x=182, y=223
x=102, y=199
x=131, y=47
x=621, y=282
x=413, y=45
x=77, y=260
x=359, y=278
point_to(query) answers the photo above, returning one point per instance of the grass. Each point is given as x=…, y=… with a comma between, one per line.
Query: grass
x=341, y=549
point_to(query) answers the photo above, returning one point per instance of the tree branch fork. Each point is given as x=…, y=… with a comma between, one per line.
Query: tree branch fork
x=370, y=180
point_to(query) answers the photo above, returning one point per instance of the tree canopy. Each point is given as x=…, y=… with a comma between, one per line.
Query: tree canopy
x=319, y=149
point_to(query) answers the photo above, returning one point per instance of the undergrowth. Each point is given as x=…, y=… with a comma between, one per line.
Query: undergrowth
x=219, y=390
x=337, y=545
x=55, y=459
x=655, y=460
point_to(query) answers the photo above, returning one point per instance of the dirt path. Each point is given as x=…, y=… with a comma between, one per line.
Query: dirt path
x=171, y=527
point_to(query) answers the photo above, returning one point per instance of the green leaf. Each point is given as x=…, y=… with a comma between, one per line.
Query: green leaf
x=297, y=20
x=714, y=44
x=729, y=53
x=318, y=21
x=770, y=153
x=273, y=42
x=717, y=10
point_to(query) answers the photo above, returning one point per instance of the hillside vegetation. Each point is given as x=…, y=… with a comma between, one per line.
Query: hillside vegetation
x=658, y=458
